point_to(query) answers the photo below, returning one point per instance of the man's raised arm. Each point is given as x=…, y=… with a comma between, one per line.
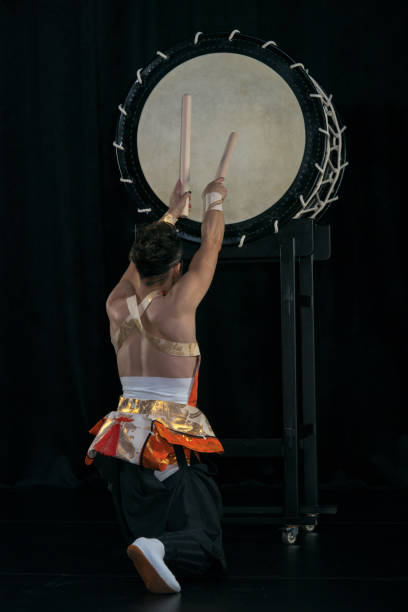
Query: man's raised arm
x=194, y=284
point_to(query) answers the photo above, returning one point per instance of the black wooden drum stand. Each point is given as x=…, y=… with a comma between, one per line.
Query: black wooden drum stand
x=301, y=241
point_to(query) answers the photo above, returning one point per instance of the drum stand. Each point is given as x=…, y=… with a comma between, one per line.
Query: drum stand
x=301, y=242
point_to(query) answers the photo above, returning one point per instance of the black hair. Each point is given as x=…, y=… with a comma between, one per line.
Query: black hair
x=156, y=249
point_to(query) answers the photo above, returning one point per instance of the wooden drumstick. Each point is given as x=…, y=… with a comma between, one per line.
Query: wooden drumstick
x=226, y=158
x=185, y=148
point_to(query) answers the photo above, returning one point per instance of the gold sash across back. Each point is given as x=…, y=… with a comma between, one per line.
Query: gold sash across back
x=133, y=321
x=180, y=349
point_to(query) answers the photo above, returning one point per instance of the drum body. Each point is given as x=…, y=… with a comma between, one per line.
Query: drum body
x=290, y=153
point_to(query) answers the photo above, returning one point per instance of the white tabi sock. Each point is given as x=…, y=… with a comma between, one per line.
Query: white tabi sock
x=147, y=555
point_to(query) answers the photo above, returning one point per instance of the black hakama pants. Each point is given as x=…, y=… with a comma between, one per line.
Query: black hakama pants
x=183, y=511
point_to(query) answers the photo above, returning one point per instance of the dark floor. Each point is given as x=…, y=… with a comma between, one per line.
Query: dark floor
x=69, y=556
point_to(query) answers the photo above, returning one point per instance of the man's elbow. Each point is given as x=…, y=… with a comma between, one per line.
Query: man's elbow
x=213, y=242
x=109, y=304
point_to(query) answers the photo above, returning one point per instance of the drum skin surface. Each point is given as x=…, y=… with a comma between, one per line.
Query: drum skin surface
x=236, y=85
x=230, y=92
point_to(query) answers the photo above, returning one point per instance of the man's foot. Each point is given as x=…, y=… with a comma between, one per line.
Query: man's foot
x=147, y=555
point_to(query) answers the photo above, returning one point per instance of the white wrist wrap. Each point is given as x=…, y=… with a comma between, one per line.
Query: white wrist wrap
x=210, y=198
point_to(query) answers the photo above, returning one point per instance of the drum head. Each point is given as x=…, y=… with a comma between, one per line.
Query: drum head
x=232, y=93
x=236, y=86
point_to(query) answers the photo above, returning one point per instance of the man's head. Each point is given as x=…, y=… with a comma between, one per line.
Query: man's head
x=157, y=254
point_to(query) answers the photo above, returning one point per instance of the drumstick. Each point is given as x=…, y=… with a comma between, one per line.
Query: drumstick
x=185, y=142
x=226, y=158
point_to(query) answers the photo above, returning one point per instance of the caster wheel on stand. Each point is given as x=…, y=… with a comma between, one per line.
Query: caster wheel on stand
x=289, y=535
x=308, y=528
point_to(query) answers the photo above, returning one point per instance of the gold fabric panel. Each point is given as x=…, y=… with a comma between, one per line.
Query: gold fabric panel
x=179, y=417
x=125, y=448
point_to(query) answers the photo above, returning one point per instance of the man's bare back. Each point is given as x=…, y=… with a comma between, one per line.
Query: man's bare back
x=172, y=316
x=138, y=356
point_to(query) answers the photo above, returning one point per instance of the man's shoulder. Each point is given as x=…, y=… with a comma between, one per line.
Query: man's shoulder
x=116, y=303
x=169, y=319
x=174, y=303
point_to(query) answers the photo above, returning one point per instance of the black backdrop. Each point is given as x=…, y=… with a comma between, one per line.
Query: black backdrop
x=67, y=225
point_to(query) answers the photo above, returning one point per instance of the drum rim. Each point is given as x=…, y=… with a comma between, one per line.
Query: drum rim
x=301, y=85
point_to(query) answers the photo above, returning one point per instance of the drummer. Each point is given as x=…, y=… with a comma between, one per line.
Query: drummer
x=169, y=508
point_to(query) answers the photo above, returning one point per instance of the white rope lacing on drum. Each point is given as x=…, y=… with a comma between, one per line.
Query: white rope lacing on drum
x=231, y=36
x=270, y=42
x=276, y=226
x=139, y=78
x=163, y=55
x=331, y=166
x=122, y=148
x=298, y=65
x=144, y=210
x=122, y=110
x=241, y=242
x=196, y=37
x=331, y=200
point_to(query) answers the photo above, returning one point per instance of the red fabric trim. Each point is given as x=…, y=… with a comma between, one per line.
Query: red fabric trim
x=97, y=427
x=192, y=400
x=156, y=453
x=203, y=445
x=108, y=443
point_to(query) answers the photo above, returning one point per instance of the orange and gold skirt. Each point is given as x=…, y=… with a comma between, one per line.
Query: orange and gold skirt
x=144, y=432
